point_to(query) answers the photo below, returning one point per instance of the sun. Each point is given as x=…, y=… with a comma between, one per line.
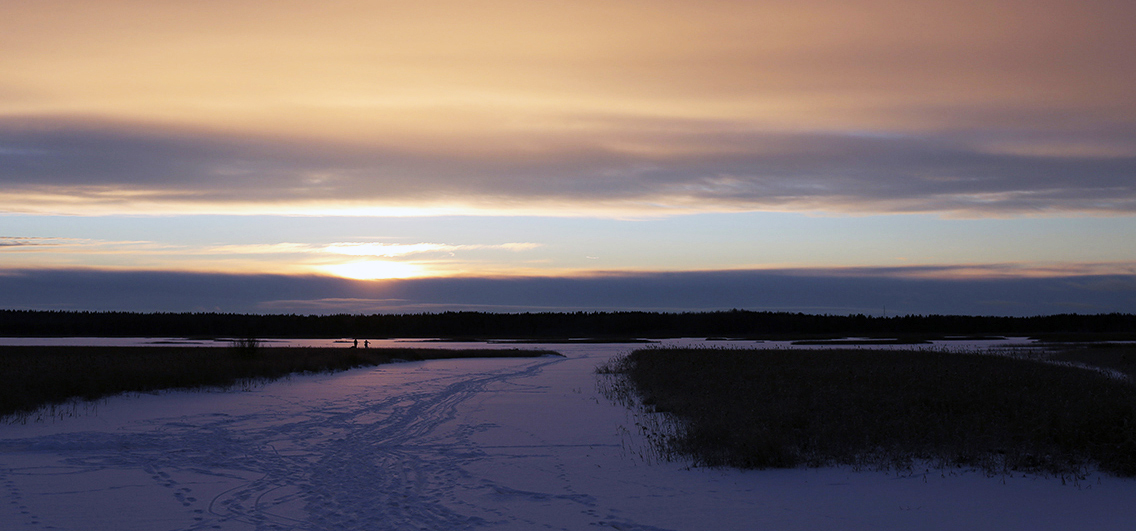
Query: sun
x=374, y=270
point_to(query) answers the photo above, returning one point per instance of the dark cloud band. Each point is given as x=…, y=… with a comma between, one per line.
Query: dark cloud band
x=701, y=166
x=811, y=291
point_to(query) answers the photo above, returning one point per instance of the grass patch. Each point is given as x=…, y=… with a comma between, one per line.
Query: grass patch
x=33, y=377
x=847, y=342
x=1116, y=356
x=883, y=408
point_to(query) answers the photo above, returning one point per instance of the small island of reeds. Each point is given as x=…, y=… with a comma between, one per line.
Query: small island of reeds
x=891, y=409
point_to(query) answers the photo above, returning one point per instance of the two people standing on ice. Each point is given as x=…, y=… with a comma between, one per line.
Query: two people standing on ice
x=366, y=343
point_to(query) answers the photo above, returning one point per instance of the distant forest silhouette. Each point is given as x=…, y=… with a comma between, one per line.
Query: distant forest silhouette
x=597, y=325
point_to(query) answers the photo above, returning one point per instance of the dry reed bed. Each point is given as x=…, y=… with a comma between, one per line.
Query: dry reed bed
x=886, y=408
x=32, y=377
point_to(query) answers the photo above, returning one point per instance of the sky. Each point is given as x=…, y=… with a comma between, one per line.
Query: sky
x=823, y=156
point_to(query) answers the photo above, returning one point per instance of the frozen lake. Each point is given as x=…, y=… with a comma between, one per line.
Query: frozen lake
x=969, y=344
x=511, y=444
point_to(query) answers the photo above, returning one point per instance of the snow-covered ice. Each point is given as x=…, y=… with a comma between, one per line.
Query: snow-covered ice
x=512, y=444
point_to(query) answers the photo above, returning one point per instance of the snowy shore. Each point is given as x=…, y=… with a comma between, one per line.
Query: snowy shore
x=463, y=444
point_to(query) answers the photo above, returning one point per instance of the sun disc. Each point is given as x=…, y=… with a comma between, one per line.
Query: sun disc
x=374, y=270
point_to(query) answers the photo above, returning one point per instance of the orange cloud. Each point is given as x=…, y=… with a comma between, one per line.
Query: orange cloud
x=501, y=104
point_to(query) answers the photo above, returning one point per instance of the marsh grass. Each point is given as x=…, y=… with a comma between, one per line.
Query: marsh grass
x=35, y=377
x=883, y=409
x=1120, y=357
x=247, y=347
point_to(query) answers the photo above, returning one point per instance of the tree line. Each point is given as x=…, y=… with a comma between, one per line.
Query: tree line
x=601, y=325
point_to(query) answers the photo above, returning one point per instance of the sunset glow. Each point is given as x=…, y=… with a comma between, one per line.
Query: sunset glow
x=569, y=140
x=373, y=270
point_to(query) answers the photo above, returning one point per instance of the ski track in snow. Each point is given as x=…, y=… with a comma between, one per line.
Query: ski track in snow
x=462, y=444
x=358, y=463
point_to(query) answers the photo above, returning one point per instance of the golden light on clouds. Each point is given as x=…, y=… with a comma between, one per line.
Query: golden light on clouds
x=277, y=143
x=399, y=72
x=588, y=108
x=355, y=260
x=373, y=270
x=383, y=249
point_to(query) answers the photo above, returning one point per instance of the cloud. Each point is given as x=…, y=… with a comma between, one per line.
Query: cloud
x=261, y=248
x=1004, y=271
x=41, y=244
x=384, y=249
x=17, y=241
x=401, y=249
x=680, y=167
x=810, y=291
x=1002, y=107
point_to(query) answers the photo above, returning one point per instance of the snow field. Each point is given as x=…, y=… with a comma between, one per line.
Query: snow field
x=505, y=444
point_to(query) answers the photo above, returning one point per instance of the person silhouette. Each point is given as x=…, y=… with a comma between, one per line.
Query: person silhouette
x=366, y=343
x=355, y=344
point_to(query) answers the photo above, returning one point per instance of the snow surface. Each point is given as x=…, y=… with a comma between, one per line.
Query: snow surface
x=962, y=344
x=511, y=444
